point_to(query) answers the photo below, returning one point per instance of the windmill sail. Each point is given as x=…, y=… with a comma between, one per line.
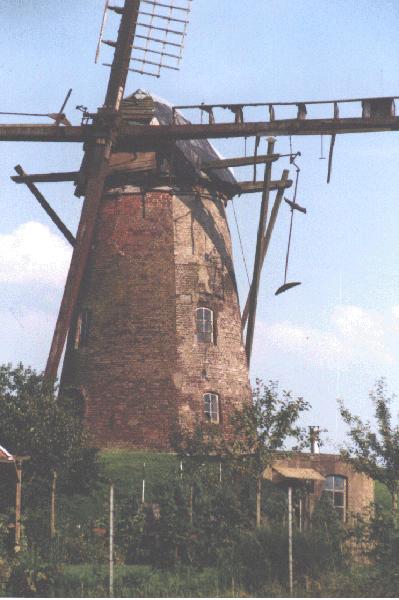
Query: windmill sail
x=161, y=29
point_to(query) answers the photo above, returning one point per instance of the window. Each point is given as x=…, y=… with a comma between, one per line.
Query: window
x=204, y=318
x=82, y=329
x=335, y=488
x=211, y=407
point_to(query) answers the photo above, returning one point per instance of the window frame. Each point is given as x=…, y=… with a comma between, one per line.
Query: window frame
x=82, y=329
x=335, y=490
x=204, y=336
x=210, y=413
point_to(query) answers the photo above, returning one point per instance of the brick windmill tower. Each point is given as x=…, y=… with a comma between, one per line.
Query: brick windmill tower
x=150, y=313
x=155, y=341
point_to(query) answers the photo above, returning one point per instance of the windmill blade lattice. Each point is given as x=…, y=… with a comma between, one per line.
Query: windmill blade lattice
x=161, y=30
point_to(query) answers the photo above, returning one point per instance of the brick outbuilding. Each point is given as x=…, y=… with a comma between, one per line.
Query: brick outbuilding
x=350, y=492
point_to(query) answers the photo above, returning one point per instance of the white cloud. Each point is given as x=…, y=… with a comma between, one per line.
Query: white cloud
x=33, y=254
x=395, y=312
x=351, y=337
x=27, y=333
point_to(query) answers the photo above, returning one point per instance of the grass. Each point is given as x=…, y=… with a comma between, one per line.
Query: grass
x=138, y=581
x=125, y=469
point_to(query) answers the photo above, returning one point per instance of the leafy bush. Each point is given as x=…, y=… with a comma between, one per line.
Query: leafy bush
x=31, y=577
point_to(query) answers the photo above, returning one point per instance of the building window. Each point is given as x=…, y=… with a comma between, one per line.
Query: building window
x=204, y=318
x=335, y=487
x=211, y=407
x=82, y=329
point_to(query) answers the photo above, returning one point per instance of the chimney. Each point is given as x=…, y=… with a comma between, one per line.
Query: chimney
x=314, y=436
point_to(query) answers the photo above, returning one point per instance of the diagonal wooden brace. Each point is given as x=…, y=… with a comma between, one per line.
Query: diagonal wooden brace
x=46, y=206
x=267, y=237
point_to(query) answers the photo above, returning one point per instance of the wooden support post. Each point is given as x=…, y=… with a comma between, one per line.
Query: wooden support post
x=53, y=498
x=290, y=539
x=267, y=237
x=18, y=497
x=257, y=263
x=46, y=206
x=111, y=541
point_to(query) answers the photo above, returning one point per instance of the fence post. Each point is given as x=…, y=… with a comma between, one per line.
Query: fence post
x=111, y=541
x=290, y=538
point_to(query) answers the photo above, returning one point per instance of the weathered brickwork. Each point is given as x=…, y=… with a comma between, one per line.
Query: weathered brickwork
x=157, y=256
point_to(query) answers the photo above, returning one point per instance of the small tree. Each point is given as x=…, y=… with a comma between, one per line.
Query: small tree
x=49, y=429
x=375, y=453
x=262, y=429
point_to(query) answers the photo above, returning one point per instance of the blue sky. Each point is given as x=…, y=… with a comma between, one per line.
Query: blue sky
x=336, y=333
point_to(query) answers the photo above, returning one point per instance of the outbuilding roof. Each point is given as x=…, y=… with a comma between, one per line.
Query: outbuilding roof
x=5, y=456
x=302, y=473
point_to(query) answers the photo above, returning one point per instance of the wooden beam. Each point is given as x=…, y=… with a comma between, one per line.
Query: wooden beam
x=46, y=206
x=99, y=154
x=251, y=187
x=239, y=162
x=267, y=238
x=46, y=177
x=146, y=136
x=44, y=133
x=257, y=263
x=140, y=134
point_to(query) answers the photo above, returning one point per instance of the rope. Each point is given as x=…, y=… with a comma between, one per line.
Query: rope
x=241, y=246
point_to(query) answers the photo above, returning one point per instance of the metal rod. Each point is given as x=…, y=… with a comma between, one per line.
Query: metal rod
x=290, y=539
x=258, y=258
x=53, y=505
x=144, y=72
x=111, y=541
x=166, y=5
x=162, y=17
x=161, y=29
x=65, y=102
x=18, y=497
x=143, y=486
x=163, y=42
x=287, y=257
x=157, y=64
x=156, y=52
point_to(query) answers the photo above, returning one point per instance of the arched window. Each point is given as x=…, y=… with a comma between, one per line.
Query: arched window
x=82, y=329
x=335, y=487
x=204, y=320
x=211, y=407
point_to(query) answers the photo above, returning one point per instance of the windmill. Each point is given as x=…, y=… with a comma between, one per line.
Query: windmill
x=153, y=220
